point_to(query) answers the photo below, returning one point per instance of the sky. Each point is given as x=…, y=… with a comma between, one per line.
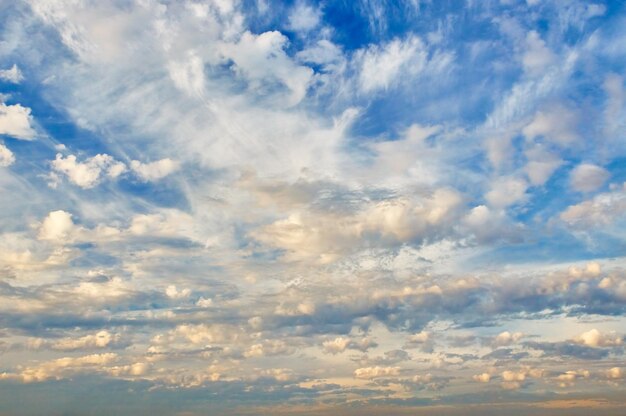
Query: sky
x=259, y=207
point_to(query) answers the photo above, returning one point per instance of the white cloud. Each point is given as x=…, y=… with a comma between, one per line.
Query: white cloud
x=507, y=338
x=537, y=56
x=341, y=344
x=482, y=378
x=87, y=174
x=376, y=372
x=381, y=65
x=261, y=59
x=57, y=227
x=13, y=75
x=541, y=165
x=506, y=191
x=615, y=373
x=557, y=124
x=172, y=292
x=595, y=338
x=6, y=156
x=62, y=368
x=587, y=177
x=154, y=171
x=601, y=210
x=16, y=121
x=304, y=17
x=101, y=339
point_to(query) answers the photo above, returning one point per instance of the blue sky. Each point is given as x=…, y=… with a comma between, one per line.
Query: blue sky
x=245, y=207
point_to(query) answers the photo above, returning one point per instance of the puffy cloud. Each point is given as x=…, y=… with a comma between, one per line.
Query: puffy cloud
x=172, y=292
x=62, y=368
x=325, y=237
x=594, y=338
x=154, y=171
x=482, y=378
x=587, y=177
x=262, y=58
x=304, y=17
x=376, y=372
x=101, y=339
x=506, y=191
x=603, y=209
x=16, y=121
x=340, y=344
x=541, y=165
x=57, y=227
x=89, y=173
x=556, y=124
x=13, y=75
x=615, y=373
x=507, y=338
x=6, y=156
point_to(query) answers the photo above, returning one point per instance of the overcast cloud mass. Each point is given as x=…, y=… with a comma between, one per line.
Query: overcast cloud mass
x=260, y=207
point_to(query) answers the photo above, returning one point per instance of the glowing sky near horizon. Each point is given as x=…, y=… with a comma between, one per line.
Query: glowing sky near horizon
x=369, y=207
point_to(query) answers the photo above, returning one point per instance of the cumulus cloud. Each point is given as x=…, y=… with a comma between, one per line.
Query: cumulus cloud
x=259, y=58
x=556, y=124
x=506, y=338
x=89, y=173
x=57, y=227
x=6, y=156
x=482, y=378
x=587, y=177
x=13, y=75
x=304, y=17
x=154, y=171
x=603, y=209
x=16, y=121
x=101, y=339
x=341, y=344
x=376, y=372
x=62, y=368
x=506, y=191
x=594, y=338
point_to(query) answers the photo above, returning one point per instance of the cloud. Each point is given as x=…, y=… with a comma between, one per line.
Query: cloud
x=304, y=17
x=154, y=171
x=57, y=227
x=541, y=165
x=556, y=124
x=506, y=338
x=12, y=75
x=261, y=58
x=587, y=177
x=482, y=378
x=89, y=173
x=381, y=65
x=376, y=372
x=101, y=339
x=594, y=338
x=341, y=344
x=423, y=340
x=62, y=368
x=506, y=191
x=603, y=209
x=537, y=56
x=16, y=122
x=6, y=156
